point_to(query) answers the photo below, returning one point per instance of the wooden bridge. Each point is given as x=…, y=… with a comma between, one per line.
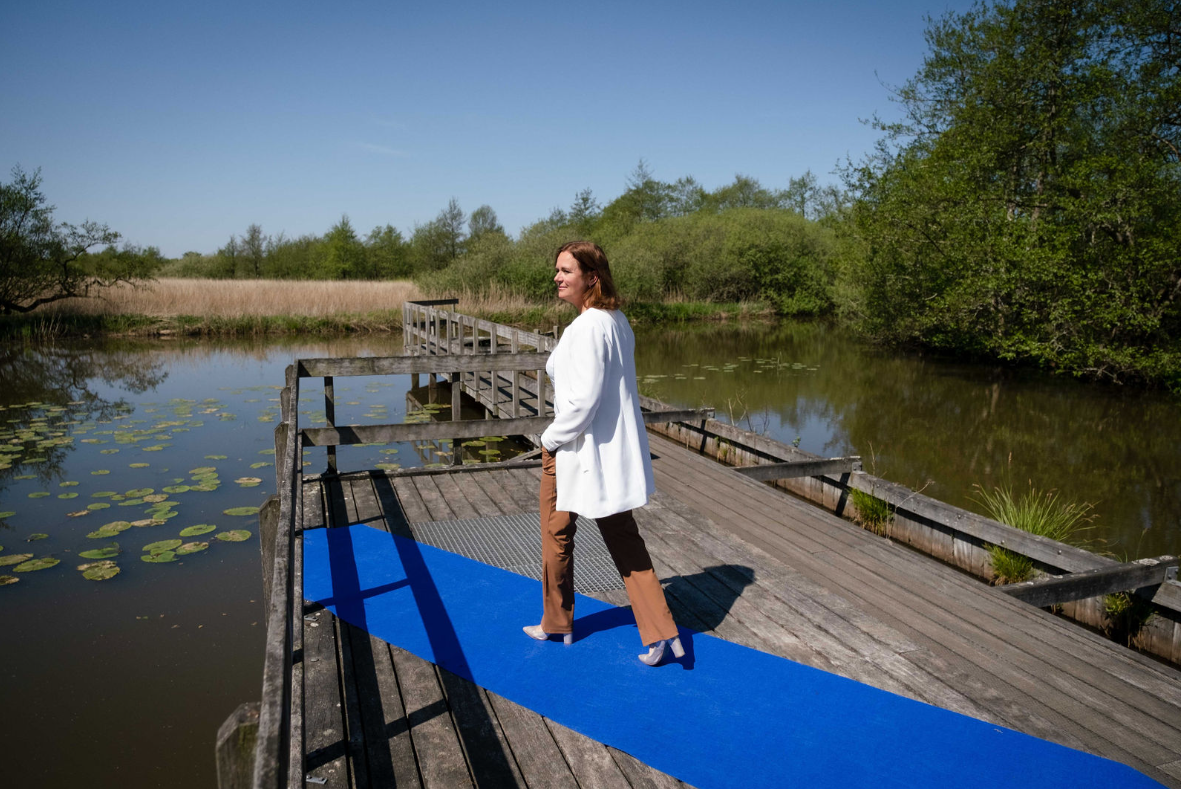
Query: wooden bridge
x=741, y=558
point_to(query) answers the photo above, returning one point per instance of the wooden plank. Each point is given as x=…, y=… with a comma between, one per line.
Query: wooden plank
x=590, y=761
x=324, y=726
x=436, y=743
x=800, y=468
x=537, y=755
x=485, y=746
x=411, y=502
x=1092, y=583
x=403, y=365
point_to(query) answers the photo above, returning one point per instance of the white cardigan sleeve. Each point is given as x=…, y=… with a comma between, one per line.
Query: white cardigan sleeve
x=576, y=399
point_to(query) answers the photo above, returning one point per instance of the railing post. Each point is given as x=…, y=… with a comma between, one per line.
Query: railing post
x=330, y=416
x=516, y=379
x=456, y=443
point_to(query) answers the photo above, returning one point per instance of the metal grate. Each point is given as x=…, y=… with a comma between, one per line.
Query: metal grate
x=513, y=543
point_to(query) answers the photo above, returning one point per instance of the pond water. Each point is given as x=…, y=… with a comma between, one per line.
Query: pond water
x=935, y=424
x=123, y=682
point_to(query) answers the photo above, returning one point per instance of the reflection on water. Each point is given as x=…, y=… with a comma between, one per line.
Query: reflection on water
x=124, y=682
x=937, y=424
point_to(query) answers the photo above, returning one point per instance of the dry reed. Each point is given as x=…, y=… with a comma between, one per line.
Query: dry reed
x=237, y=298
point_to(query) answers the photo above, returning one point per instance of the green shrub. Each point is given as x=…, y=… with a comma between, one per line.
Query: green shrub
x=1036, y=512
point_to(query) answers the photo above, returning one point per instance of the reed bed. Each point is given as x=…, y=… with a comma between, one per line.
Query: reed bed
x=241, y=298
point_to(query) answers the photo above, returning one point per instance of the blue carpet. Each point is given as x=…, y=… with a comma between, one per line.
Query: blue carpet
x=723, y=716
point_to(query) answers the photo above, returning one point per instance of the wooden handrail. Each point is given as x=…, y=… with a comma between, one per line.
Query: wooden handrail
x=1092, y=583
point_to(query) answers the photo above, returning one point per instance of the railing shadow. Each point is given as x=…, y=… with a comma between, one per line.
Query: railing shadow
x=485, y=751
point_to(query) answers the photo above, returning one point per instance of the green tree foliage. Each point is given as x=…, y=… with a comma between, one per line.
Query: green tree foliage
x=387, y=254
x=42, y=262
x=1028, y=206
x=341, y=255
x=483, y=221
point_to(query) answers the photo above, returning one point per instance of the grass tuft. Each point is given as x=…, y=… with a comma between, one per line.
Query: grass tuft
x=1036, y=512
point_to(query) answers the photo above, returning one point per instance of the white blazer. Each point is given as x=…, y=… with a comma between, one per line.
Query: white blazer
x=597, y=438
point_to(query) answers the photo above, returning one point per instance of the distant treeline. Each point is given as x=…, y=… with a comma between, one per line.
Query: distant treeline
x=1027, y=207
x=738, y=242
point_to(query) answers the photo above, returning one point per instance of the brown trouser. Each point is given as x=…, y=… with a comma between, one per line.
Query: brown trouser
x=627, y=549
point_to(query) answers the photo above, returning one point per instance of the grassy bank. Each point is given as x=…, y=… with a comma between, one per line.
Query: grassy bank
x=247, y=308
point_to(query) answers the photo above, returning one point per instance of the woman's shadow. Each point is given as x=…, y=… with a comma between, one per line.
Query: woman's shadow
x=701, y=600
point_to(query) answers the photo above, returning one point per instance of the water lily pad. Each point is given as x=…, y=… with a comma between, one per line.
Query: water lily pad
x=14, y=558
x=7, y=514
x=191, y=547
x=248, y=482
x=8, y=580
x=261, y=464
x=68, y=484
x=98, y=505
x=389, y=466
x=39, y=494
x=109, y=530
x=138, y=465
x=137, y=493
x=236, y=535
x=131, y=502
x=100, y=571
x=70, y=495
x=77, y=514
x=147, y=522
x=266, y=451
x=202, y=470
x=216, y=457
x=34, y=476
x=35, y=537
x=159, y=558
x=100, y=472
x=176, y=489
x=44, y=563
x=241, y=511
x=200, y=528
x=101, y=553
x=156, y=498
x=103, y=494
x=162, y=545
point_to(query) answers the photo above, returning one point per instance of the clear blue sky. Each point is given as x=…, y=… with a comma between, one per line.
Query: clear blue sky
x=179, y=124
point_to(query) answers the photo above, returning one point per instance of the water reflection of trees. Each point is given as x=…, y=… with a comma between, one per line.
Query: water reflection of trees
x=944, y=424
x=63, y=376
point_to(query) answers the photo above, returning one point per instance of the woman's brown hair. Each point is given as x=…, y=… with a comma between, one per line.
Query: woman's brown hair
x=592, y=261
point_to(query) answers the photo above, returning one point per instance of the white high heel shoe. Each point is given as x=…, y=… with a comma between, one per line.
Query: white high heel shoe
x=537, y=634
x=656, y=651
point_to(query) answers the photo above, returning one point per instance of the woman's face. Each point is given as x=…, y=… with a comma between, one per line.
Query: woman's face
x=571, y=281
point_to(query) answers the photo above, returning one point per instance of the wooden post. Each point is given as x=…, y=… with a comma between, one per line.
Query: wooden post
x=268, y=524
x=456, y=443
x=235, y=747
x=516, y=380
x=330, y=416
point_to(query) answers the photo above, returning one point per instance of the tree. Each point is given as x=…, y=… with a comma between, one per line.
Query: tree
x=583, y=211
x=43, y=262
x=341, y=255
x=387, y=253
x=483, y=220
x=254, y=249
x=1028, y=205
x=451, y=221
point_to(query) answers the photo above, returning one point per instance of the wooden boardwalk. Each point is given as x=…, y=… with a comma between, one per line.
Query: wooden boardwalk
x=745, y=562
x=740, y=559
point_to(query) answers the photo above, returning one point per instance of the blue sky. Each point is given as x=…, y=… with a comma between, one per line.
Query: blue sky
x=181, y=124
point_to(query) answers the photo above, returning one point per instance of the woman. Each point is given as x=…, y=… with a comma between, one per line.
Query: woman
x=595, y=455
